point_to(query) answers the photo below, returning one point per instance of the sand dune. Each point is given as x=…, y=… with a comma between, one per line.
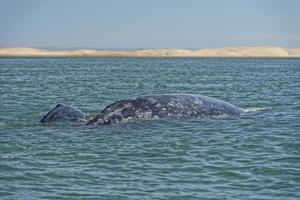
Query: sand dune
x=216, y=52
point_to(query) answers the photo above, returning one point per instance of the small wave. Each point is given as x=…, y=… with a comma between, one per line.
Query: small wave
x=256, y=109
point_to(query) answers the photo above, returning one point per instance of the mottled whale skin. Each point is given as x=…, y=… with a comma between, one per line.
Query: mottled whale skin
x=165, y=106
x=62, y=112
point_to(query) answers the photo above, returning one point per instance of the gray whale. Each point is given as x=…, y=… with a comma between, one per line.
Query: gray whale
x=62, y=112
x=162, y=106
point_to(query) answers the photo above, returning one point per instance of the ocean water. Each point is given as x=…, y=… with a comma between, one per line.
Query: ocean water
x=254, y=156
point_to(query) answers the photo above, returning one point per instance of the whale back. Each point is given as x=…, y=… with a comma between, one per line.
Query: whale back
x=163, y=106
x=62, y=112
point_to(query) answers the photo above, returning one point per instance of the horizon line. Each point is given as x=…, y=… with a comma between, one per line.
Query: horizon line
x=241, y=51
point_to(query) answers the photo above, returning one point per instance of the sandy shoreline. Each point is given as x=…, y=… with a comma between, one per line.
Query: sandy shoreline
x=238, y=52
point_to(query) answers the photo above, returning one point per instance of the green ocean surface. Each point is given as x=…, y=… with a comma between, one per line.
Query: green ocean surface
x=253, y=156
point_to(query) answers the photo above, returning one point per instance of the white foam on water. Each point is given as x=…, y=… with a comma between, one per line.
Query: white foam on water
x=256, y=109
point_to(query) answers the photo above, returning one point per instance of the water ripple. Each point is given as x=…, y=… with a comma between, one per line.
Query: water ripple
x=255, y=156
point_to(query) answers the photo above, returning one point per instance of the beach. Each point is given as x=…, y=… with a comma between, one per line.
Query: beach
x=230, y=52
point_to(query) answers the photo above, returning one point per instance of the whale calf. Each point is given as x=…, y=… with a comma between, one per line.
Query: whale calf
x=62, y=112
x=162, y=106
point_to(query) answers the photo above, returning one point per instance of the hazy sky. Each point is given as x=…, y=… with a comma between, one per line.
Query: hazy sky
x=133, y=24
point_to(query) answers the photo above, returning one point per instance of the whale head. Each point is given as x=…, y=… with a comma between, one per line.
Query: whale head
x=62, y=112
